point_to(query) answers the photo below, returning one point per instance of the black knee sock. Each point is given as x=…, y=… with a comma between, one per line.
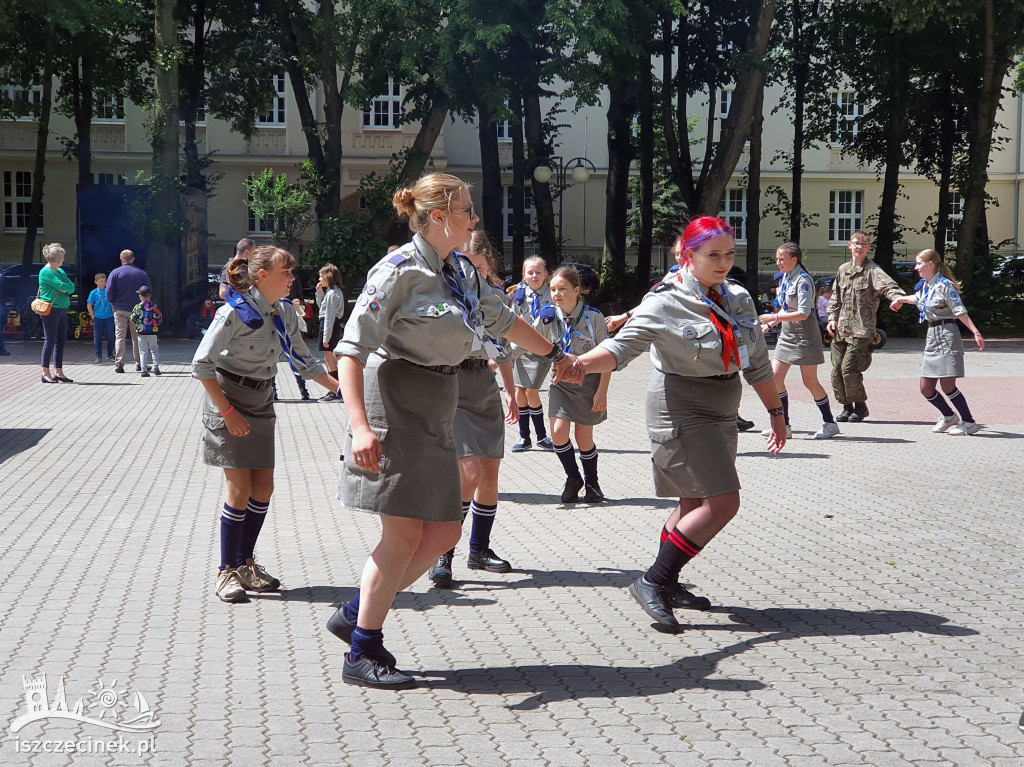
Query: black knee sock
x=232, y=530
x=483, y=521
x=784, y=396
x=567, y=456
x=537, y=414
x=826, y=410
x=365, y=642
x=589, y=461
x=524, y=422
x=255, y=515
x=675, y=552
x=940, y=404
x=960, y=403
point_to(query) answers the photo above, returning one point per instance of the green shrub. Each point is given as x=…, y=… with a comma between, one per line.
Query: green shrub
x=346, y=242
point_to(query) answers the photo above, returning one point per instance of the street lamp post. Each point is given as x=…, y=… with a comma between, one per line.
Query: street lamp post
x=557, y=167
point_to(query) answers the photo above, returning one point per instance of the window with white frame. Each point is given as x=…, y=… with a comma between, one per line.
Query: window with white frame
x=109, y=110
x=845, y=214
x=507, y=218
x=200, y=113
x=956, y=215
x=256, y=224
x=18, y=199
x=734, y=212
x=505, y=129
x=109, y=179
x=724, y=103
x=385, y=111
x=276, y=114
x=25, y=99
x=848, y=111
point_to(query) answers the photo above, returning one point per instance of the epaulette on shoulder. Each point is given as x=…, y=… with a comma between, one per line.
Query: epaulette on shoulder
x=547, y=313
x=777, y=276
x=658, y=287
x=593, y=309
x=673, y=269
x=919, y=285
x=398, y=258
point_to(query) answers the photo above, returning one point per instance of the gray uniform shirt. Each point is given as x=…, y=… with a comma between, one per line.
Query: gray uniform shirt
x=941, y=299
x=587, y=331
x=406, y=311
x=232, y=345
x=676, y=325
x=798, y=296
x=481, y=354
x=332, y=307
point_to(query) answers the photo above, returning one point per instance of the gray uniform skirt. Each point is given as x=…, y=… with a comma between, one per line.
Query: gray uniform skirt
x=943, y=352
x=574, y=402
x=479, y=428
x=692, y=426
x=530, y=371
x=800, y=347
x=411, y=410
x=253, y=451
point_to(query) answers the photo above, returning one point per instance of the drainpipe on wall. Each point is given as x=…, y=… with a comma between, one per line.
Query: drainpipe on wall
x=1016, y=182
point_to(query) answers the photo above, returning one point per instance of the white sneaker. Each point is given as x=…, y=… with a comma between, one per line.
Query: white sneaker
x=827, y=431
x=964, y=429
x=254, y=577
x=229, y=588
x=944, y=422
x=768, y=432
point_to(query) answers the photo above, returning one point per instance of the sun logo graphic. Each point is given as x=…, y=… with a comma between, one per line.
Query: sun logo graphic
x=107, y=700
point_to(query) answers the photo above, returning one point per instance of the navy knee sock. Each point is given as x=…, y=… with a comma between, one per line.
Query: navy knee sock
x=940, y=404
x=675, y=552
x=352, y=608
x=365, y=642
x=960, y=403
x=826, y=410
x=567, y=456
x=232, y=525
x=255, y=515
x=537, y=414
x=524, y=422
x=483, y=521
x=784, y=396
x=589, y=461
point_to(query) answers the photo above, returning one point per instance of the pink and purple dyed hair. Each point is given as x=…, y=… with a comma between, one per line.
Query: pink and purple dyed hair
x=699, y=231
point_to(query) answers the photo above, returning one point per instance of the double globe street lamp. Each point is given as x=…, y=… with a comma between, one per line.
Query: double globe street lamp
x=557, y=168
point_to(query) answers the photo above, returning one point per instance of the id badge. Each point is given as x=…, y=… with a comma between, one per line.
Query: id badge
x=744, y=356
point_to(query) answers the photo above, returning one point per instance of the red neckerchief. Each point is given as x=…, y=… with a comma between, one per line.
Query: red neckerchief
x=729, y=345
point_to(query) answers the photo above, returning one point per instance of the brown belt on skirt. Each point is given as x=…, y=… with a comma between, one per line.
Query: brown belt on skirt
x=936, y=323
x=257, y=384
x=473, y=364
x=448, y=370
x=725, y=376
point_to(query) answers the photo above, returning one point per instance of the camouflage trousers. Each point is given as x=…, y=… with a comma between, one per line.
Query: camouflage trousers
x=850, y=358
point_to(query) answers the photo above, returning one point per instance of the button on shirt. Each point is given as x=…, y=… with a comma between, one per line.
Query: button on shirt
x=232, y=345
x=406, y=311
x=941, y=300
x=855, y=296
x=675, y=324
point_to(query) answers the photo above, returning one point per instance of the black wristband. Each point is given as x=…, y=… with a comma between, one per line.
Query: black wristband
x=556, y=354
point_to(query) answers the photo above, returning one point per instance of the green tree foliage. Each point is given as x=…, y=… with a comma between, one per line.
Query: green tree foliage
x=288, y=205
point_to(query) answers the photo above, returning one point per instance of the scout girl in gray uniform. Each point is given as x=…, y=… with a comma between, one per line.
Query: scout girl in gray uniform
x=702, y=331
x=331, y=303
x=529, y=297
x=421, y=313
x=236, y=362
x=799, y=338
x=479, y=432
x=578, y=328
x=938, y=302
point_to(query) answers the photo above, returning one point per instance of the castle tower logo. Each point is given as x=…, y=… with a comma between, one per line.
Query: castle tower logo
x=108, y=707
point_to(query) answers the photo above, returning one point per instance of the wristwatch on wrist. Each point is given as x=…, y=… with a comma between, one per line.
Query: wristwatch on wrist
x=556, y=354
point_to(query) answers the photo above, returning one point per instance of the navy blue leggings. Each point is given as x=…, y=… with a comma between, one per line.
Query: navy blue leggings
x=55, y=333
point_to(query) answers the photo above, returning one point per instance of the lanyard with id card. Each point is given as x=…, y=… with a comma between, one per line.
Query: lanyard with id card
x=741, y=346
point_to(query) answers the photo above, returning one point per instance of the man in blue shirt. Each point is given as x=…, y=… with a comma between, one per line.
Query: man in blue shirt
x=123, y=285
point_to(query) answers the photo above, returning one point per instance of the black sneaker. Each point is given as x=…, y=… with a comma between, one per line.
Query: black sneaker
x=681, y=599
x=571, y=491
x=342, y=628
x=304, y=393
x=440, y=572
x=373, y=672
x=156, y=370
x=844, y=416
x=742, y=424
x=138, y=368
x=593, y=494
x=329, y=397
x=489, y=561
x=655, y=601
x=860, y=412
x=118, y=368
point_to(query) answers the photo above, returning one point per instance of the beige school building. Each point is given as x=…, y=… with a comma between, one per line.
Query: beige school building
x=838, y=192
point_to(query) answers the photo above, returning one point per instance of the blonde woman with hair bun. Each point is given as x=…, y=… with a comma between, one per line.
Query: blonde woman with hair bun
x=937, y=297
x=423, y=310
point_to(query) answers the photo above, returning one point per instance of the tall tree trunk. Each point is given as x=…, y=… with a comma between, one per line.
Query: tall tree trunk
x=885, y=237
x=754, y=196
x=947, y=145
x=490, y=185
x=674, y=90
x=163, y=255
x=35, y=210
x=518, y=174
x=192, y=95
x=646, y=239
x=334, y=107
x=80, y=82
x=543, y=205
x=621, y=108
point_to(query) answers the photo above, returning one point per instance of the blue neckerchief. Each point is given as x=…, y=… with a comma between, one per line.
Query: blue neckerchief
x=520, y=295
x=286, y=344
x=922, y=288
x=783, y=304
x=570, y=331
x=246, y=312
x=472, y=315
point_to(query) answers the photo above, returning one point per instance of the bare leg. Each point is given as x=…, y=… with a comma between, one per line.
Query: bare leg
x=809, y=374
x=533, y=397
x=584, y=437
x=470, y=473
x=560, y=430
x=781, y=370
x=707, y=520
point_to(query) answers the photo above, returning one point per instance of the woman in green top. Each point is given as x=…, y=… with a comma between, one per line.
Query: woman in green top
x=54, y=286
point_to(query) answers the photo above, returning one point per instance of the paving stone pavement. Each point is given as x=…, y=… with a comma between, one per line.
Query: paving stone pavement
x=865, y=592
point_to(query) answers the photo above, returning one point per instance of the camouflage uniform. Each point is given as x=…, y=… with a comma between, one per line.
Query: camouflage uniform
x=854, y=308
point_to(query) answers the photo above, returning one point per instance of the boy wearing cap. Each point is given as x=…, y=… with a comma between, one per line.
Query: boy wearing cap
x=146, y=318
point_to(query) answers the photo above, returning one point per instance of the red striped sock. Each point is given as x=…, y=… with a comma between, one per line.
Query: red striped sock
x=676, y=550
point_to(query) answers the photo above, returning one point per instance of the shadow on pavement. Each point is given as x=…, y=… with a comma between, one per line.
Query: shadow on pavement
x=14, y=441
x=547, y=684
x=997, y=434
x=336, y=596
x=106, y=383
x=782, y=455
x=544, y=499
